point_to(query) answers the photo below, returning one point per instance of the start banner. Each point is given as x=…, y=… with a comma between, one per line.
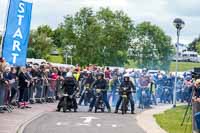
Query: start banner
x=16, y=36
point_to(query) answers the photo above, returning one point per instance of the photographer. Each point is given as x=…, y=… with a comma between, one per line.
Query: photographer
x=196, y=98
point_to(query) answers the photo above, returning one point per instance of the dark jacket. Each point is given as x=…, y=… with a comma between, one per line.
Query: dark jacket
x=196, y=92
x=70, y=86
x=100, y=84
x=89, y=81
x=22, y=80
x=129, y=85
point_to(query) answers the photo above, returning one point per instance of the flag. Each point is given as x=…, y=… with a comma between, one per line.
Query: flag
x=16, y=36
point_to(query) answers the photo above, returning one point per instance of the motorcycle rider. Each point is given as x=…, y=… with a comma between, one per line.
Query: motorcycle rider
x=196, y=101
x=88, y=80
x=100, y=83
x=143, y=83
x=167, y=92
x=130, y=87
x=69, y=87
x=114, y=83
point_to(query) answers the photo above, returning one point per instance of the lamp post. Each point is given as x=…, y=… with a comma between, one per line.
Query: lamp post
x=68, y=51
x=179, y=24
x=104, y=48
x=65, y=55
x=71, y=47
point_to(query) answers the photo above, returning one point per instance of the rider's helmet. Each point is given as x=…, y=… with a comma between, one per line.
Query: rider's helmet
x=100, y=75
x=126, y=77
x=144, y=70
x=89, y=74
x=69, y=75
x=160, y=76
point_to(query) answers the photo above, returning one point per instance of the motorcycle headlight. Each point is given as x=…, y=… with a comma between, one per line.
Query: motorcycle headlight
x=98, y=90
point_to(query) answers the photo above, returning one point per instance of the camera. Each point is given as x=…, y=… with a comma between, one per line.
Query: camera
x=196, y=73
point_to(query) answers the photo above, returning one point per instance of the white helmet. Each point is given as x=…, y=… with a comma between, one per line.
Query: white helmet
x=160, y=76
x=69, y=75
x=126, y=75
x=89, y=72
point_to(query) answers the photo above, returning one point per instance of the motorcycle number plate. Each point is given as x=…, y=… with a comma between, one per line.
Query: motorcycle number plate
x=98, y=90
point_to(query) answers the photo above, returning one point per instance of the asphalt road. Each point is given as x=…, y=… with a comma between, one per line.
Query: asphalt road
x=84, y=122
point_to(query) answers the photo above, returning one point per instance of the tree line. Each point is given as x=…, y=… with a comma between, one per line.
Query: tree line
x=104, y=37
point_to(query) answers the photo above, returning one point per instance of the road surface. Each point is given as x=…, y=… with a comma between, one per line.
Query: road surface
x=84, y=122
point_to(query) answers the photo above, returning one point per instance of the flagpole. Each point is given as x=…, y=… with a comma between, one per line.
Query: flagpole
x=4, y=27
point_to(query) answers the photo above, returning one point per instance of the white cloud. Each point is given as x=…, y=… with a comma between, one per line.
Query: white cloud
x=185, y=7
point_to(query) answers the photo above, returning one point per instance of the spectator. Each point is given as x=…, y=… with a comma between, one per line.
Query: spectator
x=23, y=91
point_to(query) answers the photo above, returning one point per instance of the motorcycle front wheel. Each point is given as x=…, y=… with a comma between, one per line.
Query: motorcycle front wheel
x=123, y=106
x=65, y=105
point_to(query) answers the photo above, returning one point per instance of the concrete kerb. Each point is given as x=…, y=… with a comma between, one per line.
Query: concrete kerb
x=21, y=127
x=148, y=123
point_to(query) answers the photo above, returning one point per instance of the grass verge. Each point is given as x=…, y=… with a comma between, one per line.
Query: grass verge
x=182, y=66
x=171, y=120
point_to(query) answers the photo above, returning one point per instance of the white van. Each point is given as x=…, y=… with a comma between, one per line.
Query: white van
x=188, y=56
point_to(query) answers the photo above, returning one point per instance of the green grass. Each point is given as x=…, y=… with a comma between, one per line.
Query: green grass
x=55, y=59
x=131, y=64
x=182, y=66
x=171, y=120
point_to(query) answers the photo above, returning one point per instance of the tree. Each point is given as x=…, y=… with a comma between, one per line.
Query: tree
x=40, y=42
x=194, y=45
x=151, y=48
x=45, y=29
x=58, y=36
x=101, y=37
x=116, y=33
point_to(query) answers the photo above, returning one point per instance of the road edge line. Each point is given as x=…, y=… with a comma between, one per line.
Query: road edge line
x=22, y=126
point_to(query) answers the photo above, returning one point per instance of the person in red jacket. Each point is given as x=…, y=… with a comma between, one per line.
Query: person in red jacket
x=52, y=88
x=107, y=73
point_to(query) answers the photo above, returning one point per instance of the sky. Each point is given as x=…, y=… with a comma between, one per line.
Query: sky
x=158, y=12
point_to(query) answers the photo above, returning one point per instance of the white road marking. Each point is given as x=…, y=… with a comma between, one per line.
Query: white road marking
x=98, y=125
x=58, y=123
x=82, y=124
x=88, y=119
x=114, y=125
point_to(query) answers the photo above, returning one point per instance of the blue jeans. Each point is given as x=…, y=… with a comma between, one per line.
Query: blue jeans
x=146, y=101
x=105, y=100
x=50, y=92
x=114, y=96
x=2, y=95
x=39, y=91
x=197, y=119
x=130, y=99
x=31, y=91
x=159, y=91
x=153, y=98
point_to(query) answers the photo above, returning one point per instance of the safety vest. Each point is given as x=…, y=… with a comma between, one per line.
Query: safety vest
x=76, y=76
